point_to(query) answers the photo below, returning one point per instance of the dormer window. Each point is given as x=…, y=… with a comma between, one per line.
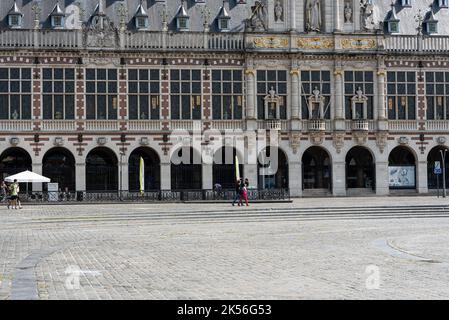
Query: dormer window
x=15, y=17
x=443, y=3
x=57, y=17
x=406, y=3
x=223, y=18
x=141, y=17
x=392, y=20
x=182, y=18
x=431, y=23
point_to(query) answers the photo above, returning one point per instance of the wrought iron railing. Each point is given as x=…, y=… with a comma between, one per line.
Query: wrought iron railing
x=152, y=196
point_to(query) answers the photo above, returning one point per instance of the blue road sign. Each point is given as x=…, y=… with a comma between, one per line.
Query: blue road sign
x=437, y=168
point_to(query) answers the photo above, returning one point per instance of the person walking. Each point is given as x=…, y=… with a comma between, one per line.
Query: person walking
x=237, y=192
x=244, y=192
x=14, y=192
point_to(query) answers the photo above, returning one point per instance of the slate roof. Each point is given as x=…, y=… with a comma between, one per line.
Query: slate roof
x=237, y=12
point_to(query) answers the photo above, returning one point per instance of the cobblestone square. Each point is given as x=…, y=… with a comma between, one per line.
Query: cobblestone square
x=392, y=248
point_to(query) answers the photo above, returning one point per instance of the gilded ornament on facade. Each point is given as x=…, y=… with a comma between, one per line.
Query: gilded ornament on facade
x=315, y=43
x=358, y=44
x=271, y=42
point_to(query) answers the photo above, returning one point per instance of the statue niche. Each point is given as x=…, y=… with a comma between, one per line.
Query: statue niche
x=278, y=11
x=359, y=106
x=316, y=105
x=313, y=16
x=258, y=19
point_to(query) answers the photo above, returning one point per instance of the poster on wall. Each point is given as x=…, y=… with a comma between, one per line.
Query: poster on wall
x=402, y=177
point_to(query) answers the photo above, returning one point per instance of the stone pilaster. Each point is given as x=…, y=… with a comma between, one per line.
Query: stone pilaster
x=295, y=179
x=80, y=173
x=382, y=185
x=296, y=114
x=207, y=170
x=165, y=176
x=421, y=177
x=37, y=168
x=339, y=178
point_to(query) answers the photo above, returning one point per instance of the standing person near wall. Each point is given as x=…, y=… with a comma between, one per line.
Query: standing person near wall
x=237, y=192
x=244, y=192
x=14, y=192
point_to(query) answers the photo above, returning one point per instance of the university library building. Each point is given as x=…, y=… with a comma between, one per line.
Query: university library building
x=351, y=96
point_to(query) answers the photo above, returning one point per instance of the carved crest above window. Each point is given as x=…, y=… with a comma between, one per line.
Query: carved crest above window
x=100, y=32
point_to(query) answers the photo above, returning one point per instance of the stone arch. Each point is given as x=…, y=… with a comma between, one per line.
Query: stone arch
x=58, y=164
x=14, y=160
x=317, y=169
x=435, y=155
x=152, y=169
x=101, y=170
x=402, y=168
x=223, y=168
x=360, y=168
x=186, y=169
x=272, y=175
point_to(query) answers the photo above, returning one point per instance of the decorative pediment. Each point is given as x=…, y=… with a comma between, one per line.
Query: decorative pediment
x=100, y=32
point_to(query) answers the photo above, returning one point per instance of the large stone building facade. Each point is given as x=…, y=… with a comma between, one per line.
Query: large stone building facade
x=354, y=92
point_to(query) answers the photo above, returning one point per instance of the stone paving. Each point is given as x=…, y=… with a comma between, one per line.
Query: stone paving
x=84, y=252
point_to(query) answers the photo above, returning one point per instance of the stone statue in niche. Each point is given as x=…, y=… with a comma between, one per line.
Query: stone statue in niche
x=348, y=13
x=278, y=11
x=313, y=15
x=367, y=14
x=257, y=20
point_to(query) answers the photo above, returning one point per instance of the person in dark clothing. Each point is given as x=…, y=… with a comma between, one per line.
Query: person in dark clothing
x=237, y=192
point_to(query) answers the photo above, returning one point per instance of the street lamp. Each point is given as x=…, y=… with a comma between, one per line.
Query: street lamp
x=443, y=158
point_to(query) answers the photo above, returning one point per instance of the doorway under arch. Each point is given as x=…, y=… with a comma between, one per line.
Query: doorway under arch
x=402, y=168
x=152, y=169
x=271, y=175
x=360, y=169
x=317, y=170
x=186, y=174
x=101, y=170
x=58, y=164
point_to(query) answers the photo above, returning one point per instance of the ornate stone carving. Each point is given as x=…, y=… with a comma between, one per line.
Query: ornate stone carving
x=403, y=141
x=367, y=14
x=258, y=19
x=295, y=140
x=271, y=42
x=102, y=141
x=316, y=105
x=313, y=15
x=58, y=142
x=144, y=141
x=348, y=12
x=278, y=11
x=317, y=137
x=338, y=141
x=100, y=32
x=441, y=140
x=358, y=44
x=381, y=140
x=14, y=141
x=360, y=137
x=315, y=43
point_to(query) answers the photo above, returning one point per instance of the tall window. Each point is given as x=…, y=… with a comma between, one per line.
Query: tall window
x=315, y=80
x=58, y=99
x=227, y=94
x=401, y=89
x=268, y=80
x=437, y=93
x=15, y=93
x=185, y=95
x=355, y=80
x=144, y=91
x=101, y=94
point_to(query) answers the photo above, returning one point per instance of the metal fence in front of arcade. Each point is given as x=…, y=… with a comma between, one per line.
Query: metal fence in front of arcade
x=152, y=196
